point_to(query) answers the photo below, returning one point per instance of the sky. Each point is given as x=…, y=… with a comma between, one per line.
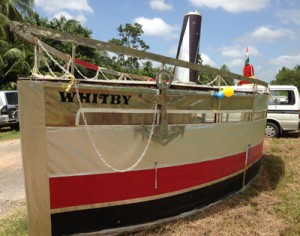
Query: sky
x=269, y=28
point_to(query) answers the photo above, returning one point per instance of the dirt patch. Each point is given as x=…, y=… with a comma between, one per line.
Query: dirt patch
x=12, y=192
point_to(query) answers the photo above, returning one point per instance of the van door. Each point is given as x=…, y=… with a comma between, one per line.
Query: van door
x=283, y=108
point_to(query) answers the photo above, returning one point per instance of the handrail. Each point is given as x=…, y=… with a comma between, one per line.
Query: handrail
x=22, y=28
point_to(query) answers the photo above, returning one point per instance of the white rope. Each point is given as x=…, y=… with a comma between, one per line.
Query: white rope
x=121, y=77
x=68, y=73
x=217, y=77
x=79, y=72
x=69, y=64
x=103, y=74
x=86, y=78
x=50, y=70
x=55, y=62
x=124, y=76
x=87, y=127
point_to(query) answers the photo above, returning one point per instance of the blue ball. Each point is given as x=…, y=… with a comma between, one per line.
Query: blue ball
x=220, y=94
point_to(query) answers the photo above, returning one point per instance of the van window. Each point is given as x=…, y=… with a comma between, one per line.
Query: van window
x=12, y=98
x=282, y=97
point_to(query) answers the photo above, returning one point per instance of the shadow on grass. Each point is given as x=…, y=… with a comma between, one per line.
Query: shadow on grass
x=8, y=133
x=5, y=129
x=272, y=169
x=291, y=134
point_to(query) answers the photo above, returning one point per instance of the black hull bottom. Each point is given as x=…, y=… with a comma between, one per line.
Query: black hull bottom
x=93, y=220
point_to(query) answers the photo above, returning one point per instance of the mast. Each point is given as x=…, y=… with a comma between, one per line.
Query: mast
x=188, y=47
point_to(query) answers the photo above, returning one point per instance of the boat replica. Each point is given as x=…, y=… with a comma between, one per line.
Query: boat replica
x=106, y=156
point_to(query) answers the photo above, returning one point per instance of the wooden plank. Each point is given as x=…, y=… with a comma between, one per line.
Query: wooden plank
x=34, y=40
x=92, y=43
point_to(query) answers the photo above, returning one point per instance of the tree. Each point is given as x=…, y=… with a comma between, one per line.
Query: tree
x=15, y=63
x=14, y=56
x=287, y=76
x=229, y=81
x=75, y=28
x=130, y=37
x=13, y=10
x=199, y=59
x=203, y=78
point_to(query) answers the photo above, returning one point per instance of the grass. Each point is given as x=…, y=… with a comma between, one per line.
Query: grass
x=270, y=206
x=14, y=223
x=7, y=133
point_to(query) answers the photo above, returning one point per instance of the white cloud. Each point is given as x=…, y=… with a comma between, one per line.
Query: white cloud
x=238, y=62
x=236, y=55
x=231, y=52
x=207, y=61
x=160, y=5
x=239, y=51
x=68, y=8
x=157, y=27
x=54, y=6
x=232, y=5
x=289, y=61
x=267, y=34
x=289, y=16
x=81, y=18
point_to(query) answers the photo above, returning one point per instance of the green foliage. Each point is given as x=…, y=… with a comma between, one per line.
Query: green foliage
x=4, y=46
x=13, y=63
x=15, y=9
x=199, y=59
x=4, y=27
x=15, y=56
x=204, y=78
x=8, y=9
x=288, y=77
x=129, y=37
x=84, y=53
x=229, y=81
x=12, y=55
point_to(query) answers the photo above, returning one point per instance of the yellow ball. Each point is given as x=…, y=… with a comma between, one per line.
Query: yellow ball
x=228, y=91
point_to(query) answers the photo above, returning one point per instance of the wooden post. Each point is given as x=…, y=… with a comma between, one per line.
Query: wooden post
x=36, y=58
x=73, y=59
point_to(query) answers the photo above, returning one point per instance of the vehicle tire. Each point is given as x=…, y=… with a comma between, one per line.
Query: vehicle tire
x=15, y=127
x=271, y=130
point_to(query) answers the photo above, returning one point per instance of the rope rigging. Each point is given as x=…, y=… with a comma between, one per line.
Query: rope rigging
x=74, y=84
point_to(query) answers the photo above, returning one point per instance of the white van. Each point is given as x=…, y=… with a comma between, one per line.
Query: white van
x=283, y=110
x=9, y=109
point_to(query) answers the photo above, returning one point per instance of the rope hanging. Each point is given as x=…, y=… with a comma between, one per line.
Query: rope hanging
x=87, y=127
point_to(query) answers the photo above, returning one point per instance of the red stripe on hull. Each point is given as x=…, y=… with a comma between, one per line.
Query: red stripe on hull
x=101, y=188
